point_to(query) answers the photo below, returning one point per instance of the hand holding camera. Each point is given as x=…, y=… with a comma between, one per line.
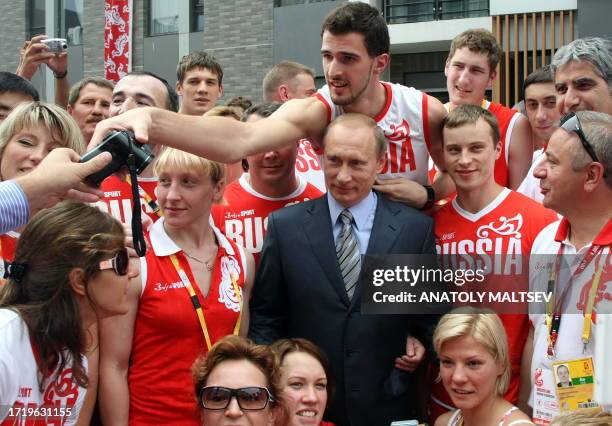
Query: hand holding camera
x=126, y=152
x=43, y=50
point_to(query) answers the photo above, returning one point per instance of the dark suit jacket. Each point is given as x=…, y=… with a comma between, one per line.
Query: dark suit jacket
x=299, y=292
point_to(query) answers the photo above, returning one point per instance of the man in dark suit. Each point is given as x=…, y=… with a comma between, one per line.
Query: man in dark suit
x=307, y=284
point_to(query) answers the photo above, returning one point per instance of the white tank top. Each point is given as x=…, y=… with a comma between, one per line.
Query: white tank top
x=404, y=120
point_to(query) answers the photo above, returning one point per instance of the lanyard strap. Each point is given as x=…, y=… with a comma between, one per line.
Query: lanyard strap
x=196, y=302
x=154, y=206
x=553, y=307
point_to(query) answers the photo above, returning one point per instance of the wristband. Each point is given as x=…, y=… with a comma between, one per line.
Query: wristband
x=431, y=197
x=62, y=75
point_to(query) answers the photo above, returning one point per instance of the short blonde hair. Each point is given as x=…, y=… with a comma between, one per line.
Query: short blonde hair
x=175, y=158
x=52, y=117
x=484, y=326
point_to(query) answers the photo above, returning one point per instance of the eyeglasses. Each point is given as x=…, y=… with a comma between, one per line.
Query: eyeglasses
x=119, y=263
x=249, y=398
x=570, y=123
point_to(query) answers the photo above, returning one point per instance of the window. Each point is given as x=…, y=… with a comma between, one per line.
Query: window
x=35, y=14
x=452, y=9
x=163, y=17
x=197, y=15
x=280, y=3
x=71, y=21
x=404, y=11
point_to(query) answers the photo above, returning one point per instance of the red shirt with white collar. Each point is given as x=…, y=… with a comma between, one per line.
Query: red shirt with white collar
x=117, y=198
x=553, y=239
x=245, y=217
x=168, y=337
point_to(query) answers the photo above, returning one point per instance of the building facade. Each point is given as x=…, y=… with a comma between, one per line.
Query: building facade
x=249, y=36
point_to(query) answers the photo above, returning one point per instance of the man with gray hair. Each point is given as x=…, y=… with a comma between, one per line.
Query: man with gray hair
x=576, y=181
x=582, y=71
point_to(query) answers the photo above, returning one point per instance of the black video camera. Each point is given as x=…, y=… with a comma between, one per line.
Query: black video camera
x=123, y=148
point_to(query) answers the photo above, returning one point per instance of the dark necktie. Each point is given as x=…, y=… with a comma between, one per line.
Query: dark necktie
x=347, y=250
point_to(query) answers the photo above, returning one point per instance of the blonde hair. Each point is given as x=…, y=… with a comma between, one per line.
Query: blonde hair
x=484, y=326
x=49, y=116
x=175, y=158
x=584, y=417
x=225, y=111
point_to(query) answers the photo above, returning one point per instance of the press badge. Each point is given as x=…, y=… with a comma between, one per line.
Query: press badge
x=574, y=382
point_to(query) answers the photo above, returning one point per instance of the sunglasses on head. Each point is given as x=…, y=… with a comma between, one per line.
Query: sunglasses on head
x=570, y=123
x=249, y=398
x=119, y=263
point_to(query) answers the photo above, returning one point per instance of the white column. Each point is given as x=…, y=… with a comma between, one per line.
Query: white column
x=50, y=23
x=184, y=15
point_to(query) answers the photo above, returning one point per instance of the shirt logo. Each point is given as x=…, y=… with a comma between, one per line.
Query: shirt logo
x=230, y=269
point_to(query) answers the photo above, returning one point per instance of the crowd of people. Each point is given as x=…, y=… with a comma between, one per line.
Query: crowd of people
x=260, y=219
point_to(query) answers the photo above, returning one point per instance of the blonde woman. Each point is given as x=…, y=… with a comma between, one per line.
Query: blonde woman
x=475, y=369
x=193, y=289
x=28, y=134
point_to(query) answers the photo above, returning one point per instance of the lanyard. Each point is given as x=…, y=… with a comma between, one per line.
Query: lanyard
x=196, y=302
x=147, y=198
x=553, y=307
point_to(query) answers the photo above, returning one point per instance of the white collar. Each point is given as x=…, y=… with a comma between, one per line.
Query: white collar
x=163, y=245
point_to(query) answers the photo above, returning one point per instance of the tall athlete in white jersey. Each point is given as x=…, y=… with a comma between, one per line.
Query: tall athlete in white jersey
x=355, y=50
x=404, y=122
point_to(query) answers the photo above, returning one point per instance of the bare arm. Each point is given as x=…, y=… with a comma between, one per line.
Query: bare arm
x=32, y=54
x=520, y=154
x=413, y=193
x=525, y=383
x=116, y=334
x=92, y=354
x=246, y=293
x=62, y=88
x=208, y=136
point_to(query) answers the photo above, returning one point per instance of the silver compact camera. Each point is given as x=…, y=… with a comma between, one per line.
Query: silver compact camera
x=55, y=45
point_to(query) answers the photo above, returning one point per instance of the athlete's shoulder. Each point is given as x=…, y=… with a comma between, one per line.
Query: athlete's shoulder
x=531, y=207
x=445, y=211
x=311, y=191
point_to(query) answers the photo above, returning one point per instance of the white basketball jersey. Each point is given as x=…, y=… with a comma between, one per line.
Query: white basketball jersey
x=404, y=121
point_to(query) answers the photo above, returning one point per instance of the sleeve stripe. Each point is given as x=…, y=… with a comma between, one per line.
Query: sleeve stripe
x=425, y=115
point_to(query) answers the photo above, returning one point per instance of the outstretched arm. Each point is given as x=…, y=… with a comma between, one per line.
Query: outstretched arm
x=218, y=138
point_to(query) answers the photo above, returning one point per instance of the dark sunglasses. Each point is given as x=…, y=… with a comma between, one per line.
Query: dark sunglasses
x=570, y=123
x=249, y=398
x=119, y=263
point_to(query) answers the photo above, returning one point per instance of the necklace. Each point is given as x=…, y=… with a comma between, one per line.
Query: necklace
x=206, y=263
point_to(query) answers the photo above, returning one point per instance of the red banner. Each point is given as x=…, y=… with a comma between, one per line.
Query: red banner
x=117, y=38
